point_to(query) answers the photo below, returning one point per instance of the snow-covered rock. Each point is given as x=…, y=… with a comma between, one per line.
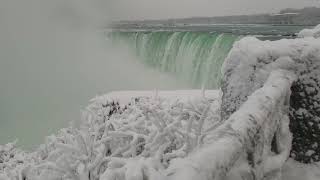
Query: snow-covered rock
x=248, y=66
x=315, y=32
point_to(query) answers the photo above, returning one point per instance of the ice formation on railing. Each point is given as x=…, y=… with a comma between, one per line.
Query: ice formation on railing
x=248, y=66
x=253, y=143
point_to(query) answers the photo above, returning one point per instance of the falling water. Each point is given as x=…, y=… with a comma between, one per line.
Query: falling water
x=194, y=57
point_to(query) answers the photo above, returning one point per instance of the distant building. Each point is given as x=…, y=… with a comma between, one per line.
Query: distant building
x=283, y=18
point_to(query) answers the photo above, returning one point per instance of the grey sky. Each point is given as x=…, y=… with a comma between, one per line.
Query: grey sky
x=155, y=9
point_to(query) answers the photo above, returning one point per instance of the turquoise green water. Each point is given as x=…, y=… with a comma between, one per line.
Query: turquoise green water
x=193, y=57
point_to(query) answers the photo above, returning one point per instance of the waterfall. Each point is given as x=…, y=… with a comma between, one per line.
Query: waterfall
x=193, y=57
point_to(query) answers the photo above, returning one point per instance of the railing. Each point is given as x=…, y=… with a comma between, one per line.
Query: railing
x=252, y=144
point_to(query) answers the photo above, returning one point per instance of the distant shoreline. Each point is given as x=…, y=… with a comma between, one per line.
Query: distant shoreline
x=309, y=16
x=261, y=31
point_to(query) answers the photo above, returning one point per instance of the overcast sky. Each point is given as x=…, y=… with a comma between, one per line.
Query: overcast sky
x=157, y=9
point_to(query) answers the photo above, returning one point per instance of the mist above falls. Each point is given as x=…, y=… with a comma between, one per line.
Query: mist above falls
x=53, y=59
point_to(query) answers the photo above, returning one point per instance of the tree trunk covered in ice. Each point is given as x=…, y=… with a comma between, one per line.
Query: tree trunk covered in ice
x=250, y=63
x=241, y=147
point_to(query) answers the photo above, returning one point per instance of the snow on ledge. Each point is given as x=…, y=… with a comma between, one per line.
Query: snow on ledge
x=125, y=97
